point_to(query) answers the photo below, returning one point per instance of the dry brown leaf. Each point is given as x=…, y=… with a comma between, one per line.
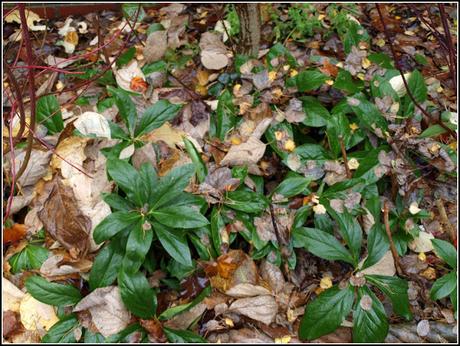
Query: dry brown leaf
x=246, y=290
x=385, y=266
x=248, y=153
x=107, y=310
x=12, y=296
x=294, y=112
x=155, y=46
x=64, y=221
x=52, y=267
x=72, y=150
x=422, y=243
x=213, y=51
x=260, y=308
x=185, y=319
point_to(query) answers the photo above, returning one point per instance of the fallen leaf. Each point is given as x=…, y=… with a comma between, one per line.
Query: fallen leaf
x=70, y=150
x=155, y=46
x=246, y=290
x=93, y=123
x=36, y=315
x=213, y=51
x=10, y=323
x=64, y=221
x=385, y=266
x=422, y=243
x=185, y=319
x=37, y=167
x=52, y=267
x=107, y=310
x=14, y=234
x=246, y=153
x=260, y=308
x=31, y=18
x=125, y=75
x=294, y=113
x=12, y=296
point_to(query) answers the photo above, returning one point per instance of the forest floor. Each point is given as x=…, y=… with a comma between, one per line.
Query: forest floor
x=161, y=186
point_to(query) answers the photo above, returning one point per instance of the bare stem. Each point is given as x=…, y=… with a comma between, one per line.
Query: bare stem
x=394, y=252
x=345, y=159
x=445, y=220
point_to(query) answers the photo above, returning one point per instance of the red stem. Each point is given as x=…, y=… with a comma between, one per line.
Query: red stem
x=51, y=68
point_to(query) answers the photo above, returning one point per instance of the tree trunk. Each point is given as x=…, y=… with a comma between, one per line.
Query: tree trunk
x=249, y=15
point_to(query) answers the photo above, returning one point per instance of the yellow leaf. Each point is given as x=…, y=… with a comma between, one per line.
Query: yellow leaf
x=422, y=257
x=36, y=315
x=71, y=37
x=325, y=283
x=229, y=322
x=289, y=145
x=283, y=340
x=272, y=75
x=366, y=63
x=293, y=73
x=14, y=17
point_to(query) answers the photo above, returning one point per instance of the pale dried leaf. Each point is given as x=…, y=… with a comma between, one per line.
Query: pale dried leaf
x=92, y=123
x=246, y=153
x=155, y=46
x=246, y=290
x=385, y=266
x=422, y=243
x=260, y=308
x=36, y=315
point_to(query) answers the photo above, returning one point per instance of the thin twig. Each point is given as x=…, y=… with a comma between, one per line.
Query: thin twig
x=398, y=67
x=22, y=114
x=394, y=252
x=445, y=220
x=452, y=65
x=31, y=77
x=345, y=159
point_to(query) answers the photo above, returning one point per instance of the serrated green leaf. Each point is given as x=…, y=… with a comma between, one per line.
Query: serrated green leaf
x=179, y=216
x=321, y=244
x=52, y=293
x=247, y=201
x=395, y=289
x=137, y=295
x=48, y=113
x=175, y=243
x=326, y=313
x=182, y=336
x=155, y=116
x=126, y=107
x=370, y=323
x=444, y=286
x=138, y=245
x=107, y=263
x=316, y=114
x=31, y=257
x=445, y=251
x=309, y=80
x=113, y=224
x=172, y=185
x=63, y=331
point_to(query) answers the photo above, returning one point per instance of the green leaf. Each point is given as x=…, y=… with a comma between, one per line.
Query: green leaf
x=417, y=86
x=138, y=245
x=131, y=11
x=175, y=244
x=63, y=331
x=453, y=300
x=123, y=174
x=309, y=80
x=316, y=113
x=292, y=186
x=126, y=107
x=172, y=185
x=279, y=50
x=444, y=286
x=314, y=152
x=321, y=244
x=381, y=59
x=395, y=289
x=286, y=129
x=367, y=113
x=126, y=57
x=155, y=116
x=116, y=202
x=344, y=81
x=247, y=201
x=48, y=112
x=326, y=313
x=217, y=224
x=31, y=257
x=338, y=126
x=182, y=336
x=180, y=216
x=52, y=293
x=350, y=230
x=137, y=295
x=113, y=224
x=445, y=251
x=93, y=338
x=377, y=245
x=200, y=167
x=154, y=67
x=225, y=118
x=154, y=27
x=370, y=323
x=433, y=131
x=171, y=312
x=107, y=263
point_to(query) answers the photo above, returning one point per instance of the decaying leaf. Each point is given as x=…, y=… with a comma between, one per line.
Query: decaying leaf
x=385, y=266
x=64, y=221
x=92, y=123
x=12, y=296
x=155, y=46
x=260, y=308
x=36, y=168
x=213, y=51
x=125, y=75
x=107, y=310
x=52, y=267
x=36, y=315
x=422, y=243
x=248, y=153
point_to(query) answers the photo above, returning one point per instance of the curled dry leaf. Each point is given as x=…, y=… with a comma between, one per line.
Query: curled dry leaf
x=107, y=310
x=246, y=290
x=213, y=51
x=125, y=75
x=248, y=153
x=422, y=243
x=37, y=166
x=64, y=221
x=52, y=267
x=260, y=308
x=72, y=150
